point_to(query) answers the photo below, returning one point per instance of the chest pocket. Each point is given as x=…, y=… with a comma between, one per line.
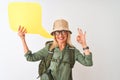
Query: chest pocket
x=66, y=56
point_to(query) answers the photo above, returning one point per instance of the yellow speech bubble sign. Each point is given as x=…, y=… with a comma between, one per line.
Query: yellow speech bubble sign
x=29, y=15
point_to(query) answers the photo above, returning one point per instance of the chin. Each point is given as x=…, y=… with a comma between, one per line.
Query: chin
x=61, y=41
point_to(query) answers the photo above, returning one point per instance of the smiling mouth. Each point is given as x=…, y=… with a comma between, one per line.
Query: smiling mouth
x=61, y=38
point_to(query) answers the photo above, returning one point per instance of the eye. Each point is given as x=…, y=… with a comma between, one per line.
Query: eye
x=63, y=32
x=57, y=32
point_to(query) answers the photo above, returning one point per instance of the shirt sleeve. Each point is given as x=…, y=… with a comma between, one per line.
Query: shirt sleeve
x=85, y=60
x=36, y=56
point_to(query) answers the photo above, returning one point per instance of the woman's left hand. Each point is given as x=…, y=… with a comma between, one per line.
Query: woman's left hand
x=81, y=38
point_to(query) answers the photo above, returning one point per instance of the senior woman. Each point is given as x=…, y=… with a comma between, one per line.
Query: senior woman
x=60, y=45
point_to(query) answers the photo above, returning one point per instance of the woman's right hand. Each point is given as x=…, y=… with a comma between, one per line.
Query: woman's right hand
x=21, y=32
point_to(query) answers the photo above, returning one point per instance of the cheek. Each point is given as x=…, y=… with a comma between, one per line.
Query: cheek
x=57, y=38
x=66, y=38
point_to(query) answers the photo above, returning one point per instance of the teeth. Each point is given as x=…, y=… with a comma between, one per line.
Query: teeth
x=61, y=38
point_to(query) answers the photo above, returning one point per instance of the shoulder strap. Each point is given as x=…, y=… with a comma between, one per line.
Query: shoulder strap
x=45, y=62
x=72, y=56
x=48, y=42
x=49, y=58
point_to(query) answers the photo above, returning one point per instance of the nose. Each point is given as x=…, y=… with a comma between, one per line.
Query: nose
x=60, y=34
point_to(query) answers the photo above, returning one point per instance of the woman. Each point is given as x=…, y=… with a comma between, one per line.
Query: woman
x=60, y=45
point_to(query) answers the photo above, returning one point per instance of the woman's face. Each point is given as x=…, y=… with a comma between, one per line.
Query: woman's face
x=61, y=36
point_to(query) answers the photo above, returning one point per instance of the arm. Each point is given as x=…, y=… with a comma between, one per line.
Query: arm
x=21, y=33
x=85, y=59
x=36, y=56
x=28, y=54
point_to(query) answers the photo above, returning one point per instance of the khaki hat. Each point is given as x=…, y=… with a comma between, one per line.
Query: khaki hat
x=59, y=25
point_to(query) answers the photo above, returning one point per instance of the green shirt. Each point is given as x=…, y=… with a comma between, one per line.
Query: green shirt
x=63, y=72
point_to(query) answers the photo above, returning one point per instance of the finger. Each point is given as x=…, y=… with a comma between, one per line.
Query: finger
x=19, y=28
x=22, y=29
x=25, y=30
x=80, y=31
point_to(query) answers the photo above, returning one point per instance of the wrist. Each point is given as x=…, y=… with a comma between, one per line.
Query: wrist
x=22, y=38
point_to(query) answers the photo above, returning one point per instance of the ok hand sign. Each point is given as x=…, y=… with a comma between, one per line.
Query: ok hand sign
x=81, y=37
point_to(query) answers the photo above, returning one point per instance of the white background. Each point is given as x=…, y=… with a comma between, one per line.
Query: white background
x=100, y=18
